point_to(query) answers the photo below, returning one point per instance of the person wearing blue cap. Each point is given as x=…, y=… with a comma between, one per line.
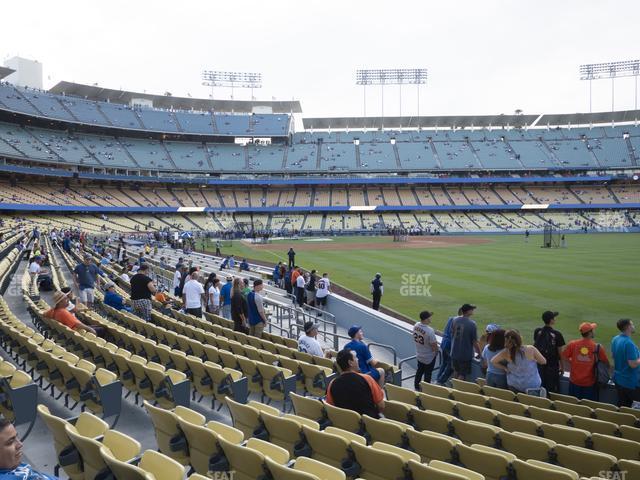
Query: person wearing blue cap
x=366, y=362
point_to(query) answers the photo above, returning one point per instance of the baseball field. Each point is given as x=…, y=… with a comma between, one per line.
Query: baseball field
x=596, y=278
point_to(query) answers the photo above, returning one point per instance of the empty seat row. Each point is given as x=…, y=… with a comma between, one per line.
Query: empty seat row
x=87, y=449
x=144, y=378
x=436, y=435
x=562, y=403
x=76, y=379
x=346, y=449
x=486, y=426
x=609, y=421
x=231, y=354
x=329, y=454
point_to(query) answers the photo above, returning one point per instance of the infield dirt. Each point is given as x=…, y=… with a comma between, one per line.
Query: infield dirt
x=413, y=242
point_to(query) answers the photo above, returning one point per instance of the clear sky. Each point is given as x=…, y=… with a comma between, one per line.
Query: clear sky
x=484, y=57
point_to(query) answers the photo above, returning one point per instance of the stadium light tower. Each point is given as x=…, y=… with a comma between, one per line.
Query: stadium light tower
x=217, y=78
x=391, y=76
x=598, y=71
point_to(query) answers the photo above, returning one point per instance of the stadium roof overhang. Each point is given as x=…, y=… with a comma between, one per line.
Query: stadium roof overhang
x=94, y=92
x=562, y=119
x=470, y=121
x=5, y=72
x=444, y=121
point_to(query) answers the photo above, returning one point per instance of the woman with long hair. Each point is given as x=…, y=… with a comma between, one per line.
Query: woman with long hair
x=520, y=362
x=213, y=296
x=212, y=276
x=239, y=307
x=496, y=377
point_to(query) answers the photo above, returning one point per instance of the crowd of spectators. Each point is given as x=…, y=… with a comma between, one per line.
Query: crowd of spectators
x=506, y=359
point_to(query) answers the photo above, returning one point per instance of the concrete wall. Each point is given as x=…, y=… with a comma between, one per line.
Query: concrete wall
x=378, y=327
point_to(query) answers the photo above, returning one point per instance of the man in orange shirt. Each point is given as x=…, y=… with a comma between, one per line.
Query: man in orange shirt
x=353, y=390
x=60, y=314
x=295, y=273
x=580, y=358
x=162, y=297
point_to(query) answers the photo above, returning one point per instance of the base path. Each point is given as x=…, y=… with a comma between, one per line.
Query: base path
x=413, y=242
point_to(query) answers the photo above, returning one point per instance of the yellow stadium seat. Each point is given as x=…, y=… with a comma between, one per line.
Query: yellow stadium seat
x=432, y=446
x=463, y=472
x=122, y=447
x=377, y=464
x=328, y=447
x=422, y=470
x=343, y=418
x=531, y=470
x=526, y=446
x=471, y=432
x=586, y=462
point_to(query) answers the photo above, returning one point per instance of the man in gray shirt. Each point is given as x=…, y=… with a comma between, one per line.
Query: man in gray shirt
x=464, y=340
x=426, y=348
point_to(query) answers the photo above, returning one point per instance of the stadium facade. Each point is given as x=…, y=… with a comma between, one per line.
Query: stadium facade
x=192, y=166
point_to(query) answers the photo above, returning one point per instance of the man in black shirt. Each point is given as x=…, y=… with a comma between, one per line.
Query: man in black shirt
x=377, y=289
x=184, y=276
x=353, y=390
x=142, y=288
x=550, y=343
x=239, y=308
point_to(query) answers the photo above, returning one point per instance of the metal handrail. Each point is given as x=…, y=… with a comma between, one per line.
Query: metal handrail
x=375, y=344
x=283, y=331
x=319, y=311
x=298, y=317
x=303, y=317
x=436, y=367
x=319, y=317
x=334, y=334
x=404, y=360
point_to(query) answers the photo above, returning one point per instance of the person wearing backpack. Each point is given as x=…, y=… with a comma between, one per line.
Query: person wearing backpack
x=549, y=343
x=582, y=357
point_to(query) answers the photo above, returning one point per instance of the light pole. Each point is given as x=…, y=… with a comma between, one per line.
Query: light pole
x=392, y=76
x=598, y=71
x=217, y=78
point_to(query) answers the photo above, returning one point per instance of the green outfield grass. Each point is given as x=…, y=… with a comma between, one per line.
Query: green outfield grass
x=595, y=279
